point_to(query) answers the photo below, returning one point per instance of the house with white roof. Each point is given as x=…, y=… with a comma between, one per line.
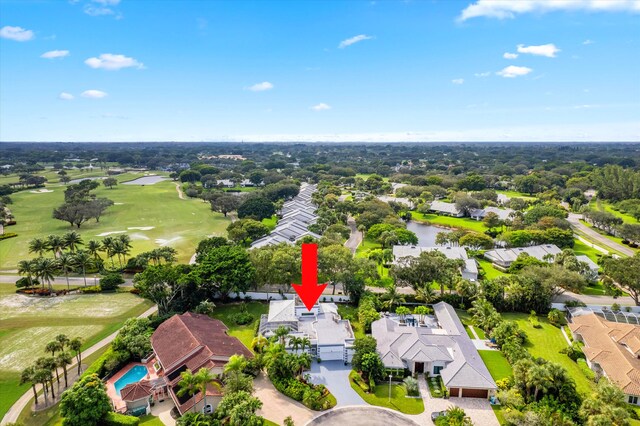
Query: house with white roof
x=444, y=208
x=331, y=338
x=469, y=271
x=479, y=214
x=437, y=346
x=503, y=258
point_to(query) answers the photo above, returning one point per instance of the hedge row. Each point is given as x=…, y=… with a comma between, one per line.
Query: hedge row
x=8, y=235
x=116, y=419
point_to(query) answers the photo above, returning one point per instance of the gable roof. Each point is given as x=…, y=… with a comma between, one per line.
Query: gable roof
x=196, y=338
x=509, y=255
x=614, y=346
x=441, y=206
x=136, y=391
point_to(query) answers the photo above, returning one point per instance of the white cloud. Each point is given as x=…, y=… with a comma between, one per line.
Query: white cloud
x=261, y=87
x=321, y=107
x=107, y=2
x=111, y=62
x=353, y=40
x=457, y=80
x=483, y=74
x=55, y=54
x=94, y=94
x=506, y=9
x=513, y=71
x=549, y=50
x=16, y=33
x=66, y=96
x=588, y=42
x=508, y=55
x=102, y=8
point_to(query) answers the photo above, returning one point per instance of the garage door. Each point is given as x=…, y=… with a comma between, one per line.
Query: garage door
x=474, y=393
x=454, y=392
x=330, y=353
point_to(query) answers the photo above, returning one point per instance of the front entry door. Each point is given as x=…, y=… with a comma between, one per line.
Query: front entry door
x=419, y=368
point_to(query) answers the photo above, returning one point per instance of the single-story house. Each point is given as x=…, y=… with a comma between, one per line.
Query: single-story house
x=612, y=349
x=437, y=346
x=469, y=271
x=193, y=341
x=330, y=337
x=400, y=200
x=504, y=257
x=479, y=214
x=593, y=266
x=444, y=208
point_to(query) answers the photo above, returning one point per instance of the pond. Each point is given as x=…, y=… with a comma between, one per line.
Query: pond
x=426, y=233
x=146, y=180
x=87, y=178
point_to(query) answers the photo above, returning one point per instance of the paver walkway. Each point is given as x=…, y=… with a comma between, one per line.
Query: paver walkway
x=162, y=410
x=20, y=404
x=276, y=407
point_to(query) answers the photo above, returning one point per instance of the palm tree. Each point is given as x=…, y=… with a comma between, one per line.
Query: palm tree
x=272, y=352
x=62, y=360
x=295, y=343
x=457, y=416
x=107, y=247
x=72, y=240
x=41, y=375
x=304, y=362
x=29, y=376
x=188, y=385
x=44, y=270
x=425, y=293
x=75, y=345
x=281, y=333
x=392, y=297
x=66, y=262
x=25, y=267
x=83, y=261
x=539, y=378
x=235, y=365
x=53, y=347
x=120, y=249
x=259, y=343
x=63, y=340
x=46, y=366
x=38, y=246
x=93, y=247
x=304, y=342
x=55, y=244
x=203, y=378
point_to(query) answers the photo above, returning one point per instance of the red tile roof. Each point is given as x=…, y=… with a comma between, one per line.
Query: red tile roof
x=136, y=391
x=192, y=339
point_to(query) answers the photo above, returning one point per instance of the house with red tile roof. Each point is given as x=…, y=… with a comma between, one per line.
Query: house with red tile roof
x=190, y=342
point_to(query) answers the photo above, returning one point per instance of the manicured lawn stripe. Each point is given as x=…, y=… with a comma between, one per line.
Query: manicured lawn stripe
x=497, y=364
x=451, y=222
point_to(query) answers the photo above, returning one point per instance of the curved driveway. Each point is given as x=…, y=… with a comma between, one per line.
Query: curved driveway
x=361, y=416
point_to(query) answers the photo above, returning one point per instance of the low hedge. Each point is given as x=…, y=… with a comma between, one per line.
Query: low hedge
x=116, y=419
x=108, y=363
x=91, y=289
x=8, y=235
x=584, y=367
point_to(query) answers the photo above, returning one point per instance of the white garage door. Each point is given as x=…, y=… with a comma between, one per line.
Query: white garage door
x=329, y=353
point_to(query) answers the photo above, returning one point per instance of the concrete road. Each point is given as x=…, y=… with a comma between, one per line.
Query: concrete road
x=574, y=219
x=355, y=238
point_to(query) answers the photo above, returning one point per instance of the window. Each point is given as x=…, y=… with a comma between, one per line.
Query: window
x=633, y=400
x=436, y=369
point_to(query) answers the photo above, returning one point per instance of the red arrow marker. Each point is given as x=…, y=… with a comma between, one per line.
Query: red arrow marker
x=309, y=291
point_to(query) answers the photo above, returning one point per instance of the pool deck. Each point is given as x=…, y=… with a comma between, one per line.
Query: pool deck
x=118, y=404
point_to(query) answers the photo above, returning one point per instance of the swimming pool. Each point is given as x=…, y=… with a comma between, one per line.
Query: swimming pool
x=137, y=373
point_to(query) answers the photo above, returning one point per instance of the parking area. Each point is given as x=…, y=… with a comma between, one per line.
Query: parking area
x=335, y=376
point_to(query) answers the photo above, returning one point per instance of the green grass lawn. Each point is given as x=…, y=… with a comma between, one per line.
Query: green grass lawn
x=149, y=420
x=516, y=194
x=270, y=222
x=451, y=222
x=607, y=236
x=608, y=207
x=546, y=342
x=178, y=223
x=27, y=324
x=366, y=245
x=245, y=333
x=490, y=272
x=497, y=364
x=399, y=400
x=581, y=248
x=366, y=176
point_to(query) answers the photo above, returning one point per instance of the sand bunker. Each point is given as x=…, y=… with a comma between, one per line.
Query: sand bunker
x=163, y=242
x=138, y=236
x=142, y=228
x=104, y=234
x=118, y=204
x=41, y=191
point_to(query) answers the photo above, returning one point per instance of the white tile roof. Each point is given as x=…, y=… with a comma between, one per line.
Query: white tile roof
x=507, y=256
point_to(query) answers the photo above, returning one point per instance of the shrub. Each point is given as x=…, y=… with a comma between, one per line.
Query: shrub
x=533, y=320
x=242, y=318
x=111, y=281
x=574, y=352
x=411, y=385
x=555, y=317
x=91, y=289
x=357, y=379
x=615, y=307
x=8, y=235
x=589, y=374
x=117, y=419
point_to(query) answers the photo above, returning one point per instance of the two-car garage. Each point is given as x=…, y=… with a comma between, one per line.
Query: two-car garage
x=468, y=393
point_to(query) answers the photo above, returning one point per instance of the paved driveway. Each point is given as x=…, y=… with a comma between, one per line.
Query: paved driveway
x=335, y=376
x=361, y=416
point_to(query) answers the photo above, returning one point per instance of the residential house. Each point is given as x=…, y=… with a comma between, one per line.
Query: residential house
x=469, y=271
x=193, y=341
x=479, y=214
x=504, y=257
x=331, y=338
x=612, y=349
x=444, y=208
x=438, y=346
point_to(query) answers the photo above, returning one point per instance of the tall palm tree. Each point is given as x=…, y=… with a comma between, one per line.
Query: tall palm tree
x=392, y=297
x=41, y=375
x=53, y=347
x=63, y=340
x=62, y=360
x=304, y=362
x=539, y=378
x=66, y=262
x=259, y=343
x=281, y=333
x=29, y=376
x=188, y=385
x=204, y=376
x=38, y=246
x=25, y=267
x=83, y=261
x=305, y=342
x=44, y=270
x=72, y=240
x=271, y=353
x=236, y=365
x=295, y=343
x=75, y=345
x=426, y=293
x=93, y=247
x=55, y=244
x=107, y=247
x=120, y=249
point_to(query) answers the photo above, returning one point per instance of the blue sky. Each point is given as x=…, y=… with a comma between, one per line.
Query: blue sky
x=138, y=70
